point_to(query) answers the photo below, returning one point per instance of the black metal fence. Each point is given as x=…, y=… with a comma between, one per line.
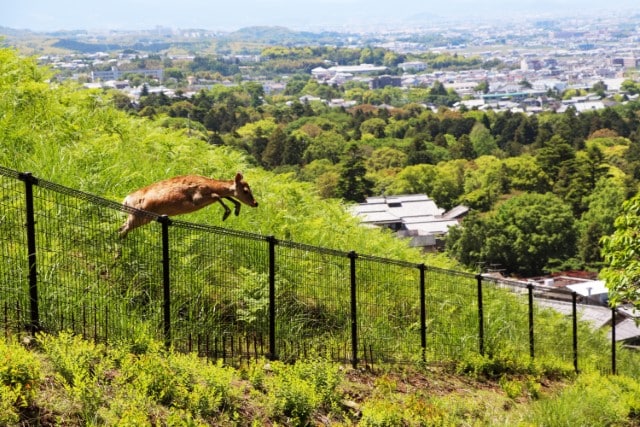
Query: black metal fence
x=236, y=295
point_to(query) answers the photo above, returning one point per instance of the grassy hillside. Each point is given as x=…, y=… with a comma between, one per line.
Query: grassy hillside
x=74, y=137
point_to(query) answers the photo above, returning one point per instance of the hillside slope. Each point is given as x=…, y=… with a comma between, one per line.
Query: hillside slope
x=76, y=138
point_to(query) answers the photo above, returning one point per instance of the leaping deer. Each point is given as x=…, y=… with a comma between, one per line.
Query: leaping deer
x=185, y=194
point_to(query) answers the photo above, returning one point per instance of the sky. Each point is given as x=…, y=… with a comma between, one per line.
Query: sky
x=229, y=15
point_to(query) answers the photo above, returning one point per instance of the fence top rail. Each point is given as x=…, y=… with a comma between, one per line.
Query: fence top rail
x=383, y=260
x=311, y=248
x=219, y=230
x=9, y=172
x=69, y=191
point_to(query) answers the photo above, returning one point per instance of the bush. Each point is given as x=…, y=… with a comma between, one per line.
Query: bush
x=381, y=413
x=80, y=365
x=20, y=375
x=296, y=391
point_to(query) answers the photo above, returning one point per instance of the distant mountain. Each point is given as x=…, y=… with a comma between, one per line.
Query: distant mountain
x=282, y=35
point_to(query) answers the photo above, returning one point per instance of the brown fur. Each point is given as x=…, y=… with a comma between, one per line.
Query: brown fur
x=185, y=194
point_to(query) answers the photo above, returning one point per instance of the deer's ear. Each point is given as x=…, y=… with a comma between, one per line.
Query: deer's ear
x=239, y=176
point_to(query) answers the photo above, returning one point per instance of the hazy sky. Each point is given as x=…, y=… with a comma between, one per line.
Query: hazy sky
x=47, y=15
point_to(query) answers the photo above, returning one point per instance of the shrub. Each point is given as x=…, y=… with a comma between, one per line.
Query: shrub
x=179, y=380
x=80, y=365
x=8, y=412
x=20, y=375
x=381, y=413
x=296, y=391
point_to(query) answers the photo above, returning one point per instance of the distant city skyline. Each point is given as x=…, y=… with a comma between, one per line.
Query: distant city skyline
x=48, y=15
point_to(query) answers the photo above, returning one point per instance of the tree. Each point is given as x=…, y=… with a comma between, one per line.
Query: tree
x=386, y=158
x=296, y=84
x=353, y=184
x=293, y=149
x=621, y=253
x=414, y=180
x=327, y=145
x=538, y=228
x=256, y=92
x=462, y=148
x=417, y=151
x=555, y=153
x=121, y=101
x=569, y=128
x=373, y=126
x=525, y=84
x=525, y=235
x=525, y=174
x=483, y=86
x=630, y=86
x=465, y=242
x=272, y=155
x=180, y=109
x=600, y=88
x=482, y=141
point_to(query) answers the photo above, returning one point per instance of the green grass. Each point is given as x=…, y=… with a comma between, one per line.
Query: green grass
x=66, y=380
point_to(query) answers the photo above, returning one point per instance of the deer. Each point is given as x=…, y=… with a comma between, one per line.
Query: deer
x=184, y=194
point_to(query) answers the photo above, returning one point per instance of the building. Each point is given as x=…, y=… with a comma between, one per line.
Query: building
x=626, y=62
x=415, y=216
x=116, y=74
x=413, y=66
x=384, y=81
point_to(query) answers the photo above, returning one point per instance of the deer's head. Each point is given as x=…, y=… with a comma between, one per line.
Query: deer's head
x=242, y=191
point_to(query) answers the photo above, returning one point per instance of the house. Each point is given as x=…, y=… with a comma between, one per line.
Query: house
x=415, y=216
x=116, y=74
x=413, y=66
x=384, y=81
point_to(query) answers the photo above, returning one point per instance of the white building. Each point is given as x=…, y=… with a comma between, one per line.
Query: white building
x=414, y=216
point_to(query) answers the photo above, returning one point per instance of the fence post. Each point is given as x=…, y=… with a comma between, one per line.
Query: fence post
x=574, y=299
x=531, y=335
x=29, y=181
x=480, y=315
x=166, y=278
x=273, y=355
x=354, y=312
x=423, y=313
x=613, y=341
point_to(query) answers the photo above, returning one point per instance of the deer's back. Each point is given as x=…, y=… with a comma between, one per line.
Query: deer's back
x=178, y=195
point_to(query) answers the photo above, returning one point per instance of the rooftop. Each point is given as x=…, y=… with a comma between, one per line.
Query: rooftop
x=410, y=215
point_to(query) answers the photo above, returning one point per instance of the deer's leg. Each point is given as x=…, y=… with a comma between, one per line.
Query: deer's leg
x=237, y=205
x=227, y=211
x=133, y=221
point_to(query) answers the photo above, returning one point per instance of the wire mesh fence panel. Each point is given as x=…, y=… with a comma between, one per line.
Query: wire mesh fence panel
x=506, y=319
x=452, y=315
x=553, y=327
x=626, y=360
x=312, y=302
x=219, y=292
x=14, y=269
x=89, y=281
x=593, y=337
x=388, y=307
